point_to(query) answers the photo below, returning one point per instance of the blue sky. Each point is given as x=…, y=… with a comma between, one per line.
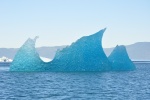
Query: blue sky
x=61, y=22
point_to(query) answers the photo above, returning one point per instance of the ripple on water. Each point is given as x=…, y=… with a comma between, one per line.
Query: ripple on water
x=133, y=85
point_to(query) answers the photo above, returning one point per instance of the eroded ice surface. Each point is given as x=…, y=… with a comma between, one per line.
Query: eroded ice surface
x=86, y=54
x=120, y=60
x=27, y=58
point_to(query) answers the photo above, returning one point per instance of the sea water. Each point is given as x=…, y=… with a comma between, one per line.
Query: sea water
x=125, y=85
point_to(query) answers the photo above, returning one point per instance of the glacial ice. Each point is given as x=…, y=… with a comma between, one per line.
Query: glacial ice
x=27, y=59
x=120, y=60
x=86, y=54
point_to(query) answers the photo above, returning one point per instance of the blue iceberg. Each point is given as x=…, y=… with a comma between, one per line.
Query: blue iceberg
x=120, y=60
x=27, y=58
x=86, y=54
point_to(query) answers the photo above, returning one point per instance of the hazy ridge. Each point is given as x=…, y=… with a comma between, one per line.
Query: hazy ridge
x=136, y=51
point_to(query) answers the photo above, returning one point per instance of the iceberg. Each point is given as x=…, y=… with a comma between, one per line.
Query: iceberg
x=27, y=58
x=86, y=54
x=120, y=60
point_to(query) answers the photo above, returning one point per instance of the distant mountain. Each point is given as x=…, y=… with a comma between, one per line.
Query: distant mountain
x=47, y=52
x=8, y=52
x=140, y=50
x=137, y=51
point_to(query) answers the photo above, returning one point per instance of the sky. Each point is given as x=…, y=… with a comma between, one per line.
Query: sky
x=61, y=22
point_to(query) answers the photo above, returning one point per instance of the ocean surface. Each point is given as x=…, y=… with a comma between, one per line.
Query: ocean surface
x=131, y=85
